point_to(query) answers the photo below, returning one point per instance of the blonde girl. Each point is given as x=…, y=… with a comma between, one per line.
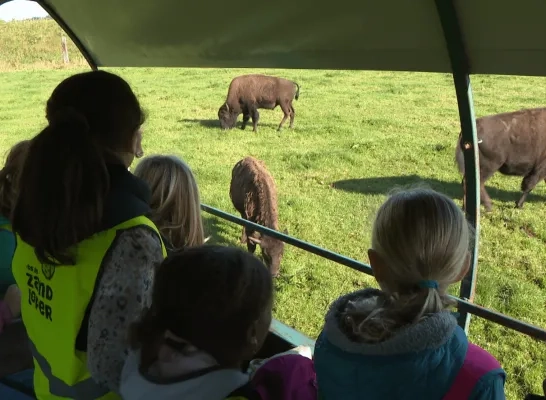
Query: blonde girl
x=175, y=201
x=402, y=342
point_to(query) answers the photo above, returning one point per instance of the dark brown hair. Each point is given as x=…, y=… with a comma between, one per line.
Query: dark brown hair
x=209, y=296
x=9, y=176
x=64, y=182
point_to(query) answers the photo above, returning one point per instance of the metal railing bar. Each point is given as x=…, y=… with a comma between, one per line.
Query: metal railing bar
x=463, y=305
x=501, y=319
x=311, y=248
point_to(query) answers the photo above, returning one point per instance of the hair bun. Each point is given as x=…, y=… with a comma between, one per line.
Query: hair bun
x=71, y=118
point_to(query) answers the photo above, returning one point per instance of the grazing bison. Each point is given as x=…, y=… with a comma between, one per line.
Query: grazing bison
x=512, y=143
x=247, y=93
x=254, y=195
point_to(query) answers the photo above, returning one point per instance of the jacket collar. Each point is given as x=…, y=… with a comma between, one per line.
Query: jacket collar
x=128, y=197
x=430, y=333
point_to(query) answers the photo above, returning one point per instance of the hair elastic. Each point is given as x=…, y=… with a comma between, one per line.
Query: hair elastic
x=430, y=284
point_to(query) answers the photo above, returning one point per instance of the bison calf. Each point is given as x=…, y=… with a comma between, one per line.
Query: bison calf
x=254, y=195
x=512, y=143
x=248, y=93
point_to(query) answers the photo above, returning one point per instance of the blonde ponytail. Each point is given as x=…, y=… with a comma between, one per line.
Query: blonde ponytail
x=423, y=241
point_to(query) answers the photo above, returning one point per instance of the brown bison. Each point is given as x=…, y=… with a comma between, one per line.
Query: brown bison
x=248, y=93
x=254, y=195
x=512, y=143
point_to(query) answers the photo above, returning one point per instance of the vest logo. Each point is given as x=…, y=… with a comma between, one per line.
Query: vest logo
x=40, y=294
x=48, y=270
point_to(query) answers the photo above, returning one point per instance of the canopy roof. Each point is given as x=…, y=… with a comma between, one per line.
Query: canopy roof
x=499, y=36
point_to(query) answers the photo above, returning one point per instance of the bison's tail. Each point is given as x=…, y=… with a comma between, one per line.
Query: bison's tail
x=459, y=157
x=297, y=96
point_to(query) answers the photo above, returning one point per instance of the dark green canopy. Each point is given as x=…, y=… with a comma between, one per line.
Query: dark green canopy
x=501, y=36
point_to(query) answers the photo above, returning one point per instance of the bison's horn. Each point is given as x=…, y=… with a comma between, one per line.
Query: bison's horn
x=227, y=107
x=254, y=240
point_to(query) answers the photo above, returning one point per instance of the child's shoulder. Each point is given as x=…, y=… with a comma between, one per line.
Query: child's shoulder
x=245, y=392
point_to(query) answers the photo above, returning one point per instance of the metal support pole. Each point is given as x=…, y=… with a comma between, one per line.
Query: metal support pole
x=469, y=144
x=460, y=66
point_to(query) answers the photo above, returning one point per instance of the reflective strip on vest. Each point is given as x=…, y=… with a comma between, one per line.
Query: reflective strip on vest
x=85, y=390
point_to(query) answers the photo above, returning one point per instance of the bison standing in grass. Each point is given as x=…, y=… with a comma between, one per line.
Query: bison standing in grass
x=248, y=93
x=254, y=195
x=512, y=143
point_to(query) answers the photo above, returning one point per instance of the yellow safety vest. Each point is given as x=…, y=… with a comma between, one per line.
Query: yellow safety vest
x=54, y=302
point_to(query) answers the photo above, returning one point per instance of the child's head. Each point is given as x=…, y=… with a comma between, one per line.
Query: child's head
x=175, y=203
x=9, y=176
x=420, y=245
x=217, y=299
x=419, y=235
x=94, y=120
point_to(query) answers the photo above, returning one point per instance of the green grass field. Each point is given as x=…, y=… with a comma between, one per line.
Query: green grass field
x=356, y=135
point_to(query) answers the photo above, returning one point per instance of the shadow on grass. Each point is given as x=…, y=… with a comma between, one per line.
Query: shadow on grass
x=215, y=123
x=382, y=185
x=218, y=232
x=206, y=123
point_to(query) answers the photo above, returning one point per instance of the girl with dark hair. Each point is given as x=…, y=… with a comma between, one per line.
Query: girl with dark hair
x=211, y=311
x=86, y=253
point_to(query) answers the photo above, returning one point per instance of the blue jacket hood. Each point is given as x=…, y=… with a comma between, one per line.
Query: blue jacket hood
x=419, y=362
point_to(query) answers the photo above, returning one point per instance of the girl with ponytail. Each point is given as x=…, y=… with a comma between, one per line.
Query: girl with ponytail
x=401, y=341
x=86, y=252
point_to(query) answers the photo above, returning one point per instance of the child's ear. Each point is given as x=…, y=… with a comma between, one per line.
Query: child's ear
x=252, y=339
x=137, y=144
x=377, y=264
